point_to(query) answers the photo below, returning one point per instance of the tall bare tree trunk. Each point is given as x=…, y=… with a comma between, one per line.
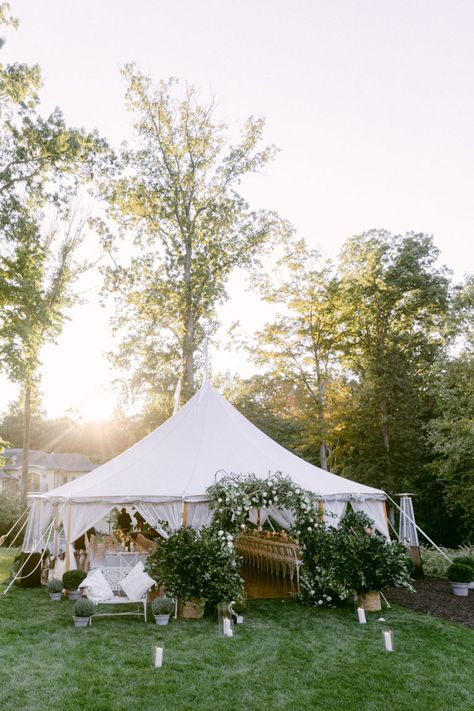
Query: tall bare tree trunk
x=385, y=431
x=26, y=445
x=322, y=420
x=189, y=331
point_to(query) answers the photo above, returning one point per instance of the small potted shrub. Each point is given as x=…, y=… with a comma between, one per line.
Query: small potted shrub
x=83, y=611
x=238, y=608
x=55, y=589
x=162, y=608
x=460, y=576
x=71, y=581
x=466, y=560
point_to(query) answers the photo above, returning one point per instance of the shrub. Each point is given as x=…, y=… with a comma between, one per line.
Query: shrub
x=83, y=608
x=339, y=562
x=459, y=573
x=73, y=578
x=192, y=564
x=54, y=586
x=9, y=512
x=239, y=606
x=465, y=560
x=162, y=606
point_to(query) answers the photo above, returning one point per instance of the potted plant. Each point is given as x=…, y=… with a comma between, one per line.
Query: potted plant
x=466, y=560
x=71, y=581
x=162, y=608
x=460, y=576
x=370, y=563
x=198, y=568
x=83, y=611
x=238, y=607
x=55, y=589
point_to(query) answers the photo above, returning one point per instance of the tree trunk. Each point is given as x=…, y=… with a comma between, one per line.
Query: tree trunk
x=26, y=446
x=322, y=420
x=385, y=432
x=188, y=357
x=189, y=330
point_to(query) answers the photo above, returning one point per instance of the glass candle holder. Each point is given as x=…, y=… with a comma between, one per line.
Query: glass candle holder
x=225, y=620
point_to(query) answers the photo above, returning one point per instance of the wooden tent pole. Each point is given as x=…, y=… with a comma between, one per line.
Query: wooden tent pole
x=185, y=514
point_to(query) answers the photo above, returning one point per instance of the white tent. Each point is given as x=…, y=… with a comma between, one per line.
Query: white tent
x=166, y=474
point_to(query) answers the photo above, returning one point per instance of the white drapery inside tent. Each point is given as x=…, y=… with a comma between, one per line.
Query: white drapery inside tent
x=155, y=514
x=333, y=511
x=374, y=510
x=77, y=519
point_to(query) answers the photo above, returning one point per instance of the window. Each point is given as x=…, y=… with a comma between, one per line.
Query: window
x=33, y=481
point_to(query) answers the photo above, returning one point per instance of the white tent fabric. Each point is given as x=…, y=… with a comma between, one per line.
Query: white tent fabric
x=335, y=510
x=176, y=463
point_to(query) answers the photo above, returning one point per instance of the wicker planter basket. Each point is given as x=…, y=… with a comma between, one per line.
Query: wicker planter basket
x=370, y=601
x=192, y=609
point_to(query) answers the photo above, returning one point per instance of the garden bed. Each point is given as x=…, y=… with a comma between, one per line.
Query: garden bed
x=433, y=596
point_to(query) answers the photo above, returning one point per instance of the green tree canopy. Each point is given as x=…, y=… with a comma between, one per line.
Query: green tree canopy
x=176, y=192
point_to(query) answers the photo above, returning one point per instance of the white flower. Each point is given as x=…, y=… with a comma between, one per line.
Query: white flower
x=320, y=602
x=309, y=528
x=220, y=533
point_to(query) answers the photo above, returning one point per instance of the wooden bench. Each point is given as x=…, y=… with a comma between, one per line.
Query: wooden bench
x=114, y=576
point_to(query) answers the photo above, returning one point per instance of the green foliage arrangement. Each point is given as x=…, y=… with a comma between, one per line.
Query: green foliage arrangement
x=239, y=606
x=465, y=560
x=162, y=606
x=339, y=562
x=83, y=608
x=459, y=573
x=54, y=586
x=192, y=564
x=73, y=578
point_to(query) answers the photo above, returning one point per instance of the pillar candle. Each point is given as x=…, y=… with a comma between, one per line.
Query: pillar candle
x=388, y=640
x=158, y=656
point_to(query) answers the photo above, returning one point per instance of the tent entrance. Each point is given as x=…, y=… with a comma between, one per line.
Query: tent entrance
x=271, y=565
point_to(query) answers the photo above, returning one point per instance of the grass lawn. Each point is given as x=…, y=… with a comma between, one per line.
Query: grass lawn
x=283, y=657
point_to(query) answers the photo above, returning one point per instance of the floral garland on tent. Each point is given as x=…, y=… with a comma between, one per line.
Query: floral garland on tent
x=234, y=496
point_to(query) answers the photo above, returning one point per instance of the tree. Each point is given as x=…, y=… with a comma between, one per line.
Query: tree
x=38, y=274
x=177, y=193
x=41, y=159
x=394, y=301
x=451, y=435
x=303, y=342
x=41, y=162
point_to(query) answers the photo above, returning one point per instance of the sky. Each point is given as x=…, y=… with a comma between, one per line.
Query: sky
x=369, y=101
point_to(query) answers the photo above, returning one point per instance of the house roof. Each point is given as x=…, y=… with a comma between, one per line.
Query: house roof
x=46, y=460
x=6, y=475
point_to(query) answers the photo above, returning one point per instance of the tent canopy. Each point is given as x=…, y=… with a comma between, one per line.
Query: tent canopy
x=181, y=458
x=166, y=474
